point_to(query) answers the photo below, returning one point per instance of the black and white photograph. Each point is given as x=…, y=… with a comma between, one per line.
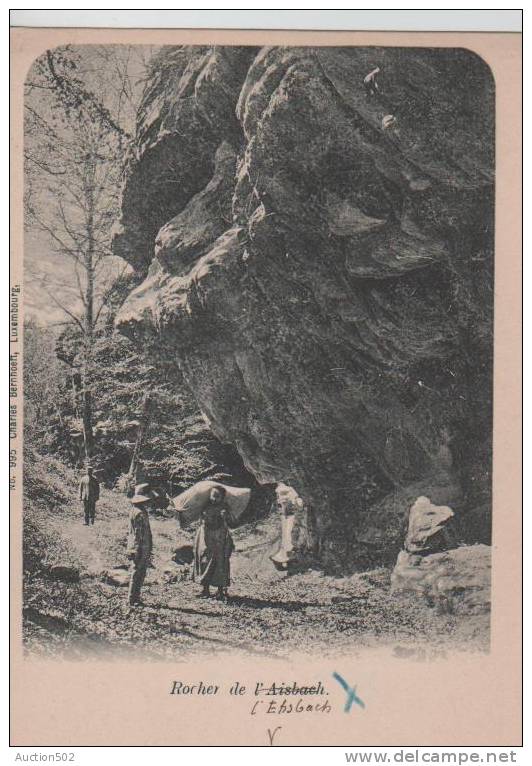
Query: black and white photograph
x=258, y=351
x=265, y=384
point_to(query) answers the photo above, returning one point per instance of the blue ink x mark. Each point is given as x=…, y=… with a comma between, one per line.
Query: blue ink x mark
x=351, y=693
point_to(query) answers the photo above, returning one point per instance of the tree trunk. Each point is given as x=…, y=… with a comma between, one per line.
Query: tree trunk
x=77, y=391
x=143, y=427
x=88, y=434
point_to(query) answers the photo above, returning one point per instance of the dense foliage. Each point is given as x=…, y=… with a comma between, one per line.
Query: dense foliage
x=178, y=447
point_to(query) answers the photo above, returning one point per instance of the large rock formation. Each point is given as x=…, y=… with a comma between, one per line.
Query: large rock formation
x=325, y=284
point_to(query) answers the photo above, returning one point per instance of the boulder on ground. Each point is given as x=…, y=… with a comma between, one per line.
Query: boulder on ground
x=118, y=576
x=175, y=571
x=456, y=581
x=183, y=555
x=64, y=573
x=428, y=527
x=383, y=527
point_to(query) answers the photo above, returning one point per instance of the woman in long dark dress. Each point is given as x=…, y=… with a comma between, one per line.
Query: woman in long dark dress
x=213, y=547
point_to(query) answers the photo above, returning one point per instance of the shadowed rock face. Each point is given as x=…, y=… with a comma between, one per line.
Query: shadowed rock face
x=326, y=284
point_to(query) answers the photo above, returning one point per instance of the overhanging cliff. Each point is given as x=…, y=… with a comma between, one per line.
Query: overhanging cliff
x=324, y=281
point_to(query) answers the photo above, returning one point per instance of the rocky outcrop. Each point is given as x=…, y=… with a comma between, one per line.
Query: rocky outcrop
x=325, y=285
x=429, y=527
x=297, y=543
x=456, y=581
x=186, y=112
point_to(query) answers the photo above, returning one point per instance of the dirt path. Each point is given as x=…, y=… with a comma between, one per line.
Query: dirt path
x=268, y=613
x=81, y=539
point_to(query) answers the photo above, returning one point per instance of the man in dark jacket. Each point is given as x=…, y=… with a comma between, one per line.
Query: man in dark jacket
x=139, y=543
x=89, y=494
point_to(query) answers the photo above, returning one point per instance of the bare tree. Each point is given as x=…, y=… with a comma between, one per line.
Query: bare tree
x=77, y=131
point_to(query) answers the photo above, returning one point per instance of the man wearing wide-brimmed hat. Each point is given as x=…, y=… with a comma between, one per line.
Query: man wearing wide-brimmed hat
x=139, y=546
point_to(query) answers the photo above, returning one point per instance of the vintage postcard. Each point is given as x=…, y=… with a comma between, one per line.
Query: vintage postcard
x=265, y=375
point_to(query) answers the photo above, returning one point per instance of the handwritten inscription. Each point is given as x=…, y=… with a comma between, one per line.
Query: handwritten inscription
x=350, y=691
x=271, y=734
x=284, y=707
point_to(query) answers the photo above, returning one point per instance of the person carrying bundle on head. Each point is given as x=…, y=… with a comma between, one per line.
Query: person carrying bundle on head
x=213, y=546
